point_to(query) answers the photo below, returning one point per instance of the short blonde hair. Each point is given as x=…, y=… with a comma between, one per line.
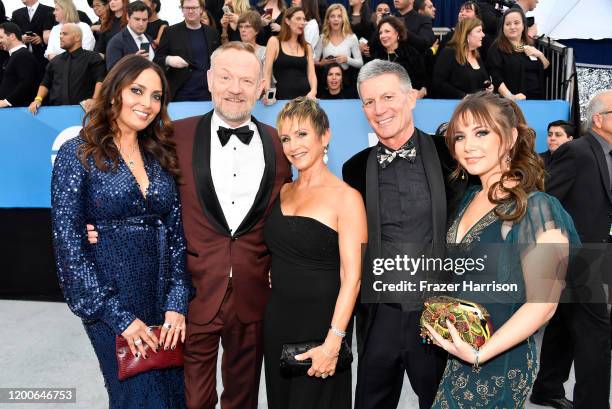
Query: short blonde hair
x=304, y=109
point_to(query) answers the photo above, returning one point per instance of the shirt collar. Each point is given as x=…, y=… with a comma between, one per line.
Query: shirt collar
x=12, y=50
x=134, y=35
x=33, y=7
x=605, y=145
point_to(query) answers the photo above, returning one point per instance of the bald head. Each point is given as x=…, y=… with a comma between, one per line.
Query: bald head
x=599, y=114
x=70, y=37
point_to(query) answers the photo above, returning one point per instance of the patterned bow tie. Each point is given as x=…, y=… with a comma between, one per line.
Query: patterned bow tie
x=386, y=156
x=243, y=133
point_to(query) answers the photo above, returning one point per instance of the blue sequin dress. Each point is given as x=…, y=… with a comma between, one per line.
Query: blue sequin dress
x=136, y=270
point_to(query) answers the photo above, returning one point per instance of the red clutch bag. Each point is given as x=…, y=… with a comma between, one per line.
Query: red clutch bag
x=128, y=365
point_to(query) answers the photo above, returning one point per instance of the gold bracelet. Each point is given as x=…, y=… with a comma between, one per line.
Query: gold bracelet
x=38, y=98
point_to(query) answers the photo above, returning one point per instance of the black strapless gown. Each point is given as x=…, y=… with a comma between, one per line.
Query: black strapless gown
x=305, y=284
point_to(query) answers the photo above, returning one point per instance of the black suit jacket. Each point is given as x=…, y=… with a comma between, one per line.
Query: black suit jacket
x=42, y=20
x=121, y=45
x=361, y=173
x=578, y=177
x=421, y=35
x=546, y=157
x=175, y=41
x=20, y=80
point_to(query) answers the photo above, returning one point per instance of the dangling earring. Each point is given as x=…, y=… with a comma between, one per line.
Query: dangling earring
x=325, y=157
x=508, y=159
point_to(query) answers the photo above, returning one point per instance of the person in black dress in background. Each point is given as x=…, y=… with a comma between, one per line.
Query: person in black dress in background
x=271, y=18
x=314, y=232
x=119, y=174
x=155, y=25
x=516, y=66
x=289, y=58
x=114, y=22
x=393, y=47
x=459, y=69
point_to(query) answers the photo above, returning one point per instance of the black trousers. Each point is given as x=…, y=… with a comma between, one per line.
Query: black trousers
x=578, y=333
x=392, y=348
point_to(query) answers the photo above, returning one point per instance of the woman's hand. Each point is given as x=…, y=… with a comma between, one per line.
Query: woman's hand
x=225, y=21
x=275, y=27
x=341, y=59
x=172, y=330
x=421, y=93
x=136, y=335
x=324, y=358
x=457, y=346
x=531, y=51
x=312, y=94
x=92, y=234
x=365, y=49
x=265, y=20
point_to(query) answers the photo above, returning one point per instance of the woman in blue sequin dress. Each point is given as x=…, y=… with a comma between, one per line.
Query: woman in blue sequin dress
x=524, y=236
x=118, y=175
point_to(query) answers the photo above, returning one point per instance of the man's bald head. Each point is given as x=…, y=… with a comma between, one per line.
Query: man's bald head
x=70, y=37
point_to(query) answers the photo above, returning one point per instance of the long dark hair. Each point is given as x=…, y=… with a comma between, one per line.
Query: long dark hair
x=285, y=31
x=502, y=42
x=525, y=166
x=107, y=21
x=100, y=124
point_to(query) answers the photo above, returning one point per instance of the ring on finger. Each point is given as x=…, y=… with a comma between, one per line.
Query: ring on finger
x=167, y=325
x=149, y=330
x=323, y=375
x=137, y=341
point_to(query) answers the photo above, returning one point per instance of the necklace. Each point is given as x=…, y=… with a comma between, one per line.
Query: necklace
x=519, y=48
x=130, y=162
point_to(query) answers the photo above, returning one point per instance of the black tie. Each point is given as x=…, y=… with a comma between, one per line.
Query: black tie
x=243, y=133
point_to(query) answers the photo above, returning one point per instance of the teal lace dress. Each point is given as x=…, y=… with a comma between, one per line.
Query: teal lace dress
x=505, y=381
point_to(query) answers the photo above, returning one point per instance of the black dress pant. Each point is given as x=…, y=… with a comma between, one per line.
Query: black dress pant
x=578, y=333
x=392, y=348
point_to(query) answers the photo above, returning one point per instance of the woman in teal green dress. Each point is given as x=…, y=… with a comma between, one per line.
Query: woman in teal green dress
x=530, y=233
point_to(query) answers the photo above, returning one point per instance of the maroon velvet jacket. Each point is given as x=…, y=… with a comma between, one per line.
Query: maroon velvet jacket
x=211, y=248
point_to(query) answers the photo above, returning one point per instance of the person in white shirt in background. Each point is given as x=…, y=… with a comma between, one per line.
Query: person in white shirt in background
x=337, y=43
x=66, y=12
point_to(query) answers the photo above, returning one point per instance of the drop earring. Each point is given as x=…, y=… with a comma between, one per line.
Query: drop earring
x=325, y=157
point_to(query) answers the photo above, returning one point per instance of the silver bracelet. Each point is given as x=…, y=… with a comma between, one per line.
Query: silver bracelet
x=336, y=331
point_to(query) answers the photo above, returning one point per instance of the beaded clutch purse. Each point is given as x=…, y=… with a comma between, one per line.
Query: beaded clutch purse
x=471, y=319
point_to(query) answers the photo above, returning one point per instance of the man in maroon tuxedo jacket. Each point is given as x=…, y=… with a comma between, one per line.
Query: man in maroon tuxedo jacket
x=232, y=170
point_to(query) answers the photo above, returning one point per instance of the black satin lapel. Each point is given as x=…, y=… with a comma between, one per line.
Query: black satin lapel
x=435, y=180
x=601, y=163
x=373, y=205
x=266, y=185
x=203, y=178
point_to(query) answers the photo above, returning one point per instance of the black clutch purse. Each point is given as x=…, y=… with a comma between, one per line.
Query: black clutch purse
x=290, y=367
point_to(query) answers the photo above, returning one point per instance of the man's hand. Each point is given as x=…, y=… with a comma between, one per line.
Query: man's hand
x=33, y=108
x=4, y=104
x=143, y=53
x=35, y=39
x=175, y=61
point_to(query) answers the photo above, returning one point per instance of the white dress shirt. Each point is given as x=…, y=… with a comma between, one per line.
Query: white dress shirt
x=139, y=39
x=32, y=9
x=311, y=33
x=236, y=170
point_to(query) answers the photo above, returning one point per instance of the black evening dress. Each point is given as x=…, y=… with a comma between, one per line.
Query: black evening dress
x=305, y=284
x=291, y=75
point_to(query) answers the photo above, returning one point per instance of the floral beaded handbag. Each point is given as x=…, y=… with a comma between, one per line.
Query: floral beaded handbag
x=471, y=319
x=129, y=365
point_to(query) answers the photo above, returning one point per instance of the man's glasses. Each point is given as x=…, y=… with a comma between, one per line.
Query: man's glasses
x=190, y=8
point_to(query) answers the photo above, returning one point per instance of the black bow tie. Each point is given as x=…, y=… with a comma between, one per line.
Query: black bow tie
x=243, y=133
x=386, y=156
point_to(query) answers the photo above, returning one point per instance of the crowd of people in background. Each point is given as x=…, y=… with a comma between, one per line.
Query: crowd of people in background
x=300, y=45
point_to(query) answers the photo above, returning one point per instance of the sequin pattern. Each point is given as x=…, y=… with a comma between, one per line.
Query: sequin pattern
x=136, y=270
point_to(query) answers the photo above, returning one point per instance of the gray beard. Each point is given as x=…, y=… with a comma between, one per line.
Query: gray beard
x=241, y=116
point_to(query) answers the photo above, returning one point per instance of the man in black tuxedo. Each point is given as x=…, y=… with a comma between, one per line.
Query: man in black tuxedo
x=33, y=20
x=21, y=73
x=130, y=40
x=403, y=181
x=185, y=49
x=419, y=27
x=580, y=175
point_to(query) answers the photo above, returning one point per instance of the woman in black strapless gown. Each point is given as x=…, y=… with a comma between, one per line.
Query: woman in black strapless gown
x=314, y=232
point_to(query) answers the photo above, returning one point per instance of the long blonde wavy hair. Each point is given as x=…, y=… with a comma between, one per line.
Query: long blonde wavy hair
x=346, y=25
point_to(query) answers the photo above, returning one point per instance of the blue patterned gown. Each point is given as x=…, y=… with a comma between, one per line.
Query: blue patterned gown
x=136, y=270
x=503, y=382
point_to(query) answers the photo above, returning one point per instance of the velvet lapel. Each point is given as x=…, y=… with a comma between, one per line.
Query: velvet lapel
x=601, y=163
x=203, y=176
x=267, y=181
x=373, y=205
x=435, y=180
